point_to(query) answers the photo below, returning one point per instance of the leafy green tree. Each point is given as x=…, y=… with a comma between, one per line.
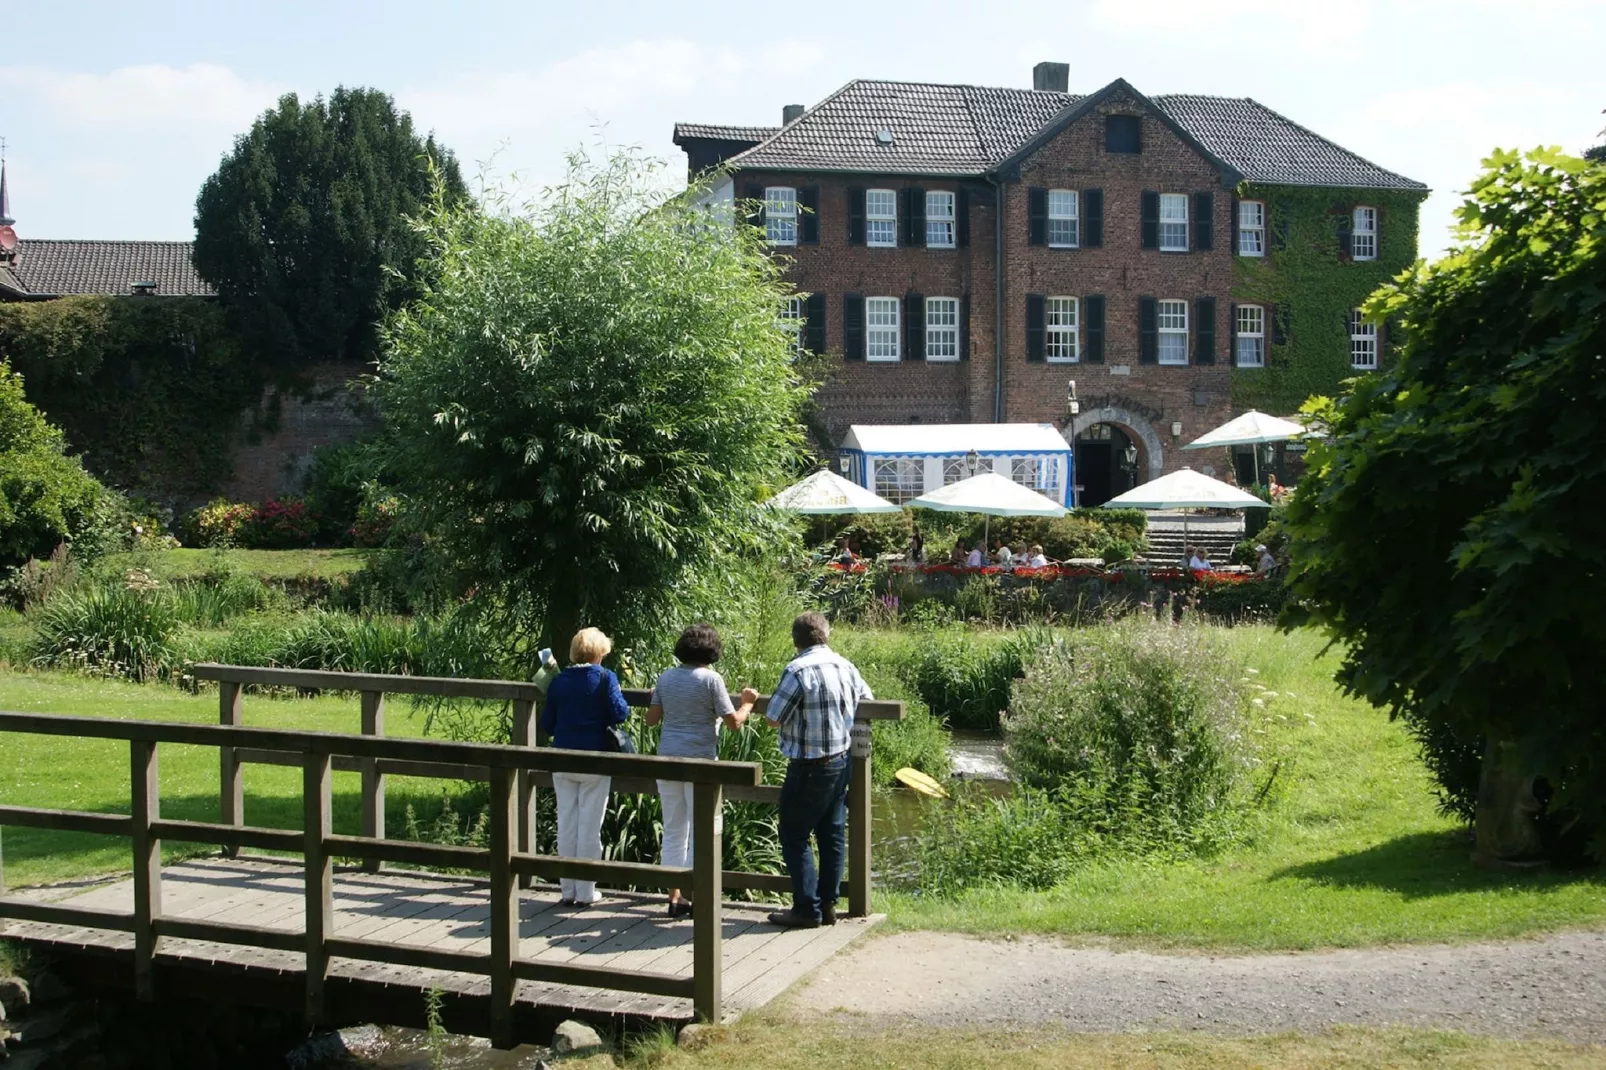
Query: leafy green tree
x=590, y=399
x=46, y=497
x=304, y=228
x=1449, y=531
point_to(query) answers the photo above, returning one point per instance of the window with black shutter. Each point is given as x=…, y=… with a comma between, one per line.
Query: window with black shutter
x=962, y=217
x=755, y=217
x=1149, y=217
x=1204, y=330
x=1148, y=332
x=1092, y=218
x=808, y=215
x=1123, y=133
x=1279, y=325
x=1346, y=234
x=1034, y=327
x=1093, y=328
x=964, y=328
x=1237, y=249
x=855, y=215
x=1036, y=216
x=1204, y=221
x=1279, y=230
x=853, y=326
x=914, y=216
x=814, y=323
x=914, y=326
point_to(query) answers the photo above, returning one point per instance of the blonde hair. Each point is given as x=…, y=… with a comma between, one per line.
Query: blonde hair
x=589, y=645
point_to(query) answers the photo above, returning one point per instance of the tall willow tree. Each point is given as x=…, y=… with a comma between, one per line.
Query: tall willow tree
x=589, y=401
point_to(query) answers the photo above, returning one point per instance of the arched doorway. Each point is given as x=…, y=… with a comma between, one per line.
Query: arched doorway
x=1107, y=463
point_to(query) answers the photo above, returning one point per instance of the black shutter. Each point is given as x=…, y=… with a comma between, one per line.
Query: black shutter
x=1346, y=236
x=1204, y=330
x=814, y=323
x=964, y=328
x=914, y=216
x=1092, y=218
x=1034, y=327
x=1149, y=213
x=756, y=216
x=914, y=327
x=1093, y=329
x=962, y=217
x=852, y=326
x=1279, y=325
x=808, y=215
x=1233, y=227
x=1232, y=332
x=1036, y=216
x=856, y=215
x=1148, y=332
x=1204, y=221
x=1279, y=230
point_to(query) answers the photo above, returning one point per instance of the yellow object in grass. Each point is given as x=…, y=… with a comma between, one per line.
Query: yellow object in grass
x=915, y=780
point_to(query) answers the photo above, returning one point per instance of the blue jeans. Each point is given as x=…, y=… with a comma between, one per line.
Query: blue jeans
x=814, y=800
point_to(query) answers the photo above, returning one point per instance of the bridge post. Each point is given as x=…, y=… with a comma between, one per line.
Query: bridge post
x=232, y=784
x=524, y=736
x=708, y=854
x=373, y=781
x=859, y=822
x=320, y=886
x=146, y=797
x=504, y=906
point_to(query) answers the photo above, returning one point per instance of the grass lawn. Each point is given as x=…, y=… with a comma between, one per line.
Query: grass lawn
x=776, y=1043
x=59, y=772
x=264, y=564
x=1352, y=853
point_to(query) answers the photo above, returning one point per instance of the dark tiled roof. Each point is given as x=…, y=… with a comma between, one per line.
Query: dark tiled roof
x=968, y=130
x=716, y=132
x=45, y=268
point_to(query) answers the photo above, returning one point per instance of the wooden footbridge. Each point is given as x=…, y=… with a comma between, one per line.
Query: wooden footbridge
x=366, y=941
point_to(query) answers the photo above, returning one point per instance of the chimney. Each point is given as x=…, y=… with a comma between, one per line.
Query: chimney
x=1052, y=77
x=791, y=112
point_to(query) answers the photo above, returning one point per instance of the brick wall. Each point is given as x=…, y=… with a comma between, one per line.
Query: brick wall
x=329, y=410
x=915, y=391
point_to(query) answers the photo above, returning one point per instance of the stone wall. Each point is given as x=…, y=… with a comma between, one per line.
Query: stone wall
x=329, y=409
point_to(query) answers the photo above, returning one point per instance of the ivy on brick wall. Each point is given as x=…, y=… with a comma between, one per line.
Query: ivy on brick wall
x=153, y=391
x=1306, y=282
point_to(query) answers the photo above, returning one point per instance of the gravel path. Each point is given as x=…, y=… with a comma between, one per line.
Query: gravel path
x=1550, y=987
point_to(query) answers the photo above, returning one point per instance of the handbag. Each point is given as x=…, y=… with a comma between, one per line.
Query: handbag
x=618, y=740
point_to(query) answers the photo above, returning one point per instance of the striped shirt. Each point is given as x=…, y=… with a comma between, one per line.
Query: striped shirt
x=813, y=705
x=694, y=699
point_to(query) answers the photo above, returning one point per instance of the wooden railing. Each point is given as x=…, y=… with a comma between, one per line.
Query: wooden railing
x=514, y=773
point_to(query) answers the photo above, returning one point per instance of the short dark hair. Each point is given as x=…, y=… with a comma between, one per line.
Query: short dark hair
x=699, y=645
x=810, y=629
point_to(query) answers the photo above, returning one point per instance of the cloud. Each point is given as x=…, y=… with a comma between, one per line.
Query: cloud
x=149, y=97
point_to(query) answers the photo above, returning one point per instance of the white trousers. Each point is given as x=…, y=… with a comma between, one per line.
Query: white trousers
x=679, y=842
x=582, y=799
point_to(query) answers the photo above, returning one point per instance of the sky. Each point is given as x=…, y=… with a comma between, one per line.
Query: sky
x=114, y=113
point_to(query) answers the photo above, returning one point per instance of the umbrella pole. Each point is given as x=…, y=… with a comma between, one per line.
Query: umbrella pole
x=1186, y=558
x=1256, y=453
x=986, y=534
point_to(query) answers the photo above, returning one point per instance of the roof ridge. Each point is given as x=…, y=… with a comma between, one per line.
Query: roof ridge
x=1328, y=141
x=107, y=241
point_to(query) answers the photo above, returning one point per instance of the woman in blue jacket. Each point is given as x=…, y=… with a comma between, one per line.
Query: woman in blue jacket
x=582, y=704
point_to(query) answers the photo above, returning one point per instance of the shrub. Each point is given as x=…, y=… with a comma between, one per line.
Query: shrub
x=125, y=628
x=1135, y=720
x=1023, y=839
x=34, y=582
x=966, y=683
x=217, y=523
x=279, y=524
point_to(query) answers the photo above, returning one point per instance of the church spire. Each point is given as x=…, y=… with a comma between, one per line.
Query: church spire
x=5, y=196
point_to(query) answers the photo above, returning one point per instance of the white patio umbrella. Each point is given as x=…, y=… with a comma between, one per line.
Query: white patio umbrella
x=1250, y=429
x=991, y=495
x=826, y=492
x=1185, y=489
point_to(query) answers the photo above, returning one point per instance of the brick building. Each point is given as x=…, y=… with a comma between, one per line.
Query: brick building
x=966, y=252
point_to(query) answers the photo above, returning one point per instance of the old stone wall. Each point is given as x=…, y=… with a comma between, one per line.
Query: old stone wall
x=328, y=409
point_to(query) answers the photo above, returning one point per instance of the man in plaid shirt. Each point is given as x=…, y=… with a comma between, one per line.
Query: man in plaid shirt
x=812, y=711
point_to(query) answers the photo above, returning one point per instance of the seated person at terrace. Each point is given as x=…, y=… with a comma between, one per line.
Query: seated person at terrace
x=958, y=556
x=1200, y=560
x=975, y=558
x=1002, y=556
x=1035, y=558
x=1268, y=563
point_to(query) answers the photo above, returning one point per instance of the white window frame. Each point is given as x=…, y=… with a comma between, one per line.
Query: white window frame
x=1177, y=217
x=1362, y=342
x=1250, y=329
x=881, y=217
x=942, y=329
x=1177, y=317
x=1036, y=473
x=941, y=218
x=791, y=321
x=1363, y=233
x=899, y=479
x=1251, y=228
x=1064, y=208
x=780, y=215
x=955, y=469
x=1062, y=333
x=888, y=336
